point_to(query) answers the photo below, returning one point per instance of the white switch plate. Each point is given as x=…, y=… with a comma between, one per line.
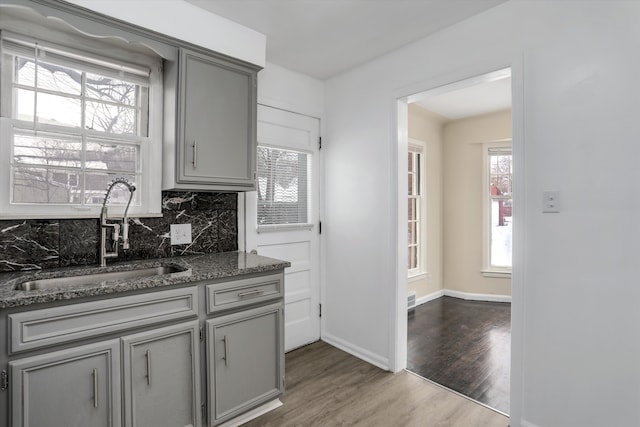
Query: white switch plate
x=180, y=234
x=551, y=201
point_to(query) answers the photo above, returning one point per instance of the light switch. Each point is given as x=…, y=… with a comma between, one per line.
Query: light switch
x=551, y=201
x=180, y=234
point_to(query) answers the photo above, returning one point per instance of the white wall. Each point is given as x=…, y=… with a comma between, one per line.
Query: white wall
x=464, y=203
x=282, y=88
x=187, y=22
x=576, y=304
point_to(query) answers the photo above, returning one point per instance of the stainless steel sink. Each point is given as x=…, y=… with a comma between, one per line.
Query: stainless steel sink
x=92, y=279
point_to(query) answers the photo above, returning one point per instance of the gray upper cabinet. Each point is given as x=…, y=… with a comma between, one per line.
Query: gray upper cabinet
x=210, y=123
x=79, y=387
x=161, y=377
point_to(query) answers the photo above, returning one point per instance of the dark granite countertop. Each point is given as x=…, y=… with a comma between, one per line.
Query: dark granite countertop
x=196, y=268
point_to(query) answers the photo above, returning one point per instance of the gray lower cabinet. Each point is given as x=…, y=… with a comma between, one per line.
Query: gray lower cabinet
x=77, y=387
x=161, y=377
x=144, y=364
x=245, y=357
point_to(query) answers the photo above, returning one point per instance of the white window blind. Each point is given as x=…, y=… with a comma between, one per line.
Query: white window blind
x=283, y=186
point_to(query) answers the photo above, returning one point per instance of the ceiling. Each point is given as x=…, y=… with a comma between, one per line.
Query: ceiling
x=323, y=38
x=481, y=98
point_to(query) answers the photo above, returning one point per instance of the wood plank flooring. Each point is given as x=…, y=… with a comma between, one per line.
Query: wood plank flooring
x=328, y=387
x=463, y=345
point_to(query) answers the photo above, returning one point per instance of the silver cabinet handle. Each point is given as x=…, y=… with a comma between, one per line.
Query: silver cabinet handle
x=226, y=350
x=148, y=356
x=250, y=293
x=195, y=154
x=95, y=387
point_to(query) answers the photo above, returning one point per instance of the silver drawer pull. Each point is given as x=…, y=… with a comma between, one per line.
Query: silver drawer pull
x=94, y=374
x=226, y=350
x=148, y=355
x=250, y=293
x=195, y=154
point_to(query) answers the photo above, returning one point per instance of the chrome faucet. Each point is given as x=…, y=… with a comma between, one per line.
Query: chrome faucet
x=116, y=226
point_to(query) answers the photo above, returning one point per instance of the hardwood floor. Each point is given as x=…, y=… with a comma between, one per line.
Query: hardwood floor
x=328, y=387
x=463, y=345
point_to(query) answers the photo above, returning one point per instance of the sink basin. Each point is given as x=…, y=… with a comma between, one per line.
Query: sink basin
x=91, y=279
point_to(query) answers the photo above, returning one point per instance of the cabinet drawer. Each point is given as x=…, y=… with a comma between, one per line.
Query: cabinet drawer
x=39, y=328
x=238, y=293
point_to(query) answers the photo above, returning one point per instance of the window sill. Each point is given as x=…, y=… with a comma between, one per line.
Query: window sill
x=284, y=227
x=496, y=274
x=419, y=275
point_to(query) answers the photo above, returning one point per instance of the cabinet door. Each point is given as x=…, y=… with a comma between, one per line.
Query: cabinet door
x=68, y=388
x=218, y=122
x=245, y=356
x=161, y=377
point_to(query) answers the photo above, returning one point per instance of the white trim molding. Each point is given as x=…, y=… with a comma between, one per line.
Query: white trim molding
x=253, y=414
x=283, y=227
x=418, y=276
x=430, y=297
x=477, y=297
x=462, y=295
x=359, y=352
x=496, y=274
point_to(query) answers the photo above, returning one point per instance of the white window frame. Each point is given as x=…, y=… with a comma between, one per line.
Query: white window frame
x=420, y=270
x=488, y=270
x=149, y=188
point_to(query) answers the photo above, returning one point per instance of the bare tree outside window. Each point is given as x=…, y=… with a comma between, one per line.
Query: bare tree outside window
x=75, y=130
x=500, y=194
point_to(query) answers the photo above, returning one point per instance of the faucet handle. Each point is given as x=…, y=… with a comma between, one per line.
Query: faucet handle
x=125, y=234
x=116, y=233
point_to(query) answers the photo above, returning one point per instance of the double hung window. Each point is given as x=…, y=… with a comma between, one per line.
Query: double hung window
x=499, y=212
x=72, y=121
x=414, y=167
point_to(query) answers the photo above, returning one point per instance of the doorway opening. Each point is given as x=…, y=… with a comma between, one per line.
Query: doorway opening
x=459, y=203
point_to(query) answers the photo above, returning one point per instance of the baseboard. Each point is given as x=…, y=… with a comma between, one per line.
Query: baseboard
x=430, y=297
x=477, y=297
x=360, y=353
x=462, y=295
x=253, y=414
x=524, y=423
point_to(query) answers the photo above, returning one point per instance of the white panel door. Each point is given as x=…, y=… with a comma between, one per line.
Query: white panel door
x=282, y=215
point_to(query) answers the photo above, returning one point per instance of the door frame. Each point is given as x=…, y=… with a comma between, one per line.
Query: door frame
x=398, y=310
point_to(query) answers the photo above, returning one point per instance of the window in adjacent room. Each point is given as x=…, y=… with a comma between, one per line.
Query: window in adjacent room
x=498, y=218
x=415, y=211
x=72, y=121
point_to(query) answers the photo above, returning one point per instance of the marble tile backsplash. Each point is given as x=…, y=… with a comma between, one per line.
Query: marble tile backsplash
x=35, y=244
